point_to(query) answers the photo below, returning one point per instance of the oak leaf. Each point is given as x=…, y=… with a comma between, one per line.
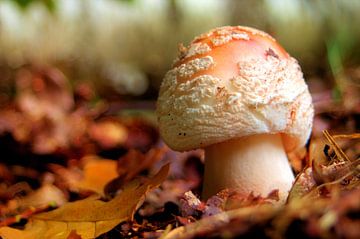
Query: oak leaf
x=90, y=217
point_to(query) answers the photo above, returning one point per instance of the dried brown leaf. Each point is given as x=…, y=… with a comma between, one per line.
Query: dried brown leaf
x=190, y=204
x=339, y=152
x=217, y=225
x=304, y=183
x=97, y=173
x=73, y=235
x=90, y=217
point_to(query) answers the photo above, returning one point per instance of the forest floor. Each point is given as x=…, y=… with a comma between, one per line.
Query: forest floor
x=73, y=165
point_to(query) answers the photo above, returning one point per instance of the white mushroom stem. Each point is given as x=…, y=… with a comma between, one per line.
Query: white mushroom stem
x=255, y=164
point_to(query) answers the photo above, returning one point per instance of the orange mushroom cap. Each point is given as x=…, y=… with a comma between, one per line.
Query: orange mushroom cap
x=233, y=82
x=229, y=45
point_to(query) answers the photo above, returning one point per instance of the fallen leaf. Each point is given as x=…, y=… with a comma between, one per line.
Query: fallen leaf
x=97, y=173
x=304, y=183
x=90, y=217
x=73, y=235
x=244, y=218
x=332, y=169
x=190, y=204
x=229, y=199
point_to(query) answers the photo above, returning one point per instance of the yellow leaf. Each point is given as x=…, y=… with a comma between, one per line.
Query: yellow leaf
x=90, y=217
x=97, y=173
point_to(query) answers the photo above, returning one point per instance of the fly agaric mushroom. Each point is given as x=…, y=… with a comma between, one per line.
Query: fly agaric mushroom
x=236, y=93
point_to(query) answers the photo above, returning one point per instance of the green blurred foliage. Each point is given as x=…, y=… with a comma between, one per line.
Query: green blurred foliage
x=24, y=4
x=49, y=4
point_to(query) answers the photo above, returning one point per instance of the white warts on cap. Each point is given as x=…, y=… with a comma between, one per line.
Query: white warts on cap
x=262, y=94
x=225, y=38
x=194, y=66
x=197, y=49
x=221, y=40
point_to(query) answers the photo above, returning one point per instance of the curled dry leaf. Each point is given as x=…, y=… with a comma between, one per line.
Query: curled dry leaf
x=190, y=204
x=329, y=169
x=90, y=217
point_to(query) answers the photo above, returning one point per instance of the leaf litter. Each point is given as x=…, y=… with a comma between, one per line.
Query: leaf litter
x=64, y=173
x=89, y=217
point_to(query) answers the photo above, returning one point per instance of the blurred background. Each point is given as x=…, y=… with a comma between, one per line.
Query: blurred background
x=124, y=47
x=79, y=80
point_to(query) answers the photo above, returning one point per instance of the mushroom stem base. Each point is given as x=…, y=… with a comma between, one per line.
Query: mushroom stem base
x=255, y=164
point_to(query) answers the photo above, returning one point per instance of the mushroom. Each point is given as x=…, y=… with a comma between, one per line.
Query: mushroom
x=236, y=93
